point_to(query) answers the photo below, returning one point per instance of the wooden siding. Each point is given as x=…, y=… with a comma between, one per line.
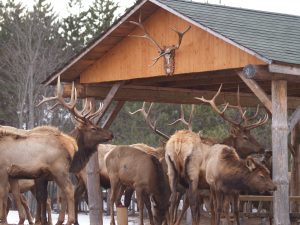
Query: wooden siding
x=199, y=52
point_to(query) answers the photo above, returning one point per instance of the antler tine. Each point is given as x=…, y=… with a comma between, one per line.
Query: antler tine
x=96, y=113
x=148, y=121
x=146, y=34
x=260, y=122
x=215, y=108
x=180, y=35
x=58, y=93
x=182, y=119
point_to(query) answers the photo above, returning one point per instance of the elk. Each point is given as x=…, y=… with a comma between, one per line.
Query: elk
x=160, y=154
x=167, y=52
x=149, y=184
x=228, y=174
x=67, y=159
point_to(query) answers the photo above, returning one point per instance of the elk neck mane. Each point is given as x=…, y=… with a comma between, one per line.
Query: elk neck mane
x=82, y=156
x=160, y=180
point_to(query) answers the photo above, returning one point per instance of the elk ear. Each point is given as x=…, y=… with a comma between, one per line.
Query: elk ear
x=250, y=164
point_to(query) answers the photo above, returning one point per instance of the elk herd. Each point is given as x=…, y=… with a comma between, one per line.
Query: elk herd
x=187, y=166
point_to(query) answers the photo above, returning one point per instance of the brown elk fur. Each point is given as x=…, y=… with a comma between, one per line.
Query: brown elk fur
x=228, y=174
x=124, y=164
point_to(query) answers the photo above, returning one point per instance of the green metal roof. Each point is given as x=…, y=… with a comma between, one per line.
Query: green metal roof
x=273, y=36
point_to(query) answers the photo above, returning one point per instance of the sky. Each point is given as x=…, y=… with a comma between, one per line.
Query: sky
x=281, y=6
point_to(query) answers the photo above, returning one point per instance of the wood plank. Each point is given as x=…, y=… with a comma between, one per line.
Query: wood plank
x=280, y=152
x=256, y=89
x=108, y=99
x=167, y=95
x=294, y=119
x=285, y=69
x=194, y=54
x=295, y=167
x=262, y=72
x=113, y=114
x=265, y=198
x=93, y=187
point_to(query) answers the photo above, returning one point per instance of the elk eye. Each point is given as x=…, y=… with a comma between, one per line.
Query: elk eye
x=94, y=129
x=245, y=137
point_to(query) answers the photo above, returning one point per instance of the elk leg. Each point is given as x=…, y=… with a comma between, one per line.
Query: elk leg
x=128, y=194
x=172, y=210
x=194, y=202
x=213, y=204
x=148, y=206
x=236, y=208
x=186, y=205
x=219, y=198
x=139, y=196
x=79, y=191
x=65, y=184
x=115, y=186
x=41, y=194
x=63, y=208
x=17, y=196
x=227, y=209
x=26, y=207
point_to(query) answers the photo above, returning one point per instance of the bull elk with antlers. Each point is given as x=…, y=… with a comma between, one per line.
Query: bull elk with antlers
x=48, y=151
x=167, y=52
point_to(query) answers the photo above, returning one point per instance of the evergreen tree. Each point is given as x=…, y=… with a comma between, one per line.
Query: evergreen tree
x=83, y=25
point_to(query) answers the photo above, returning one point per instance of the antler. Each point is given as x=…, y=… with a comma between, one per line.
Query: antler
x=83, y=116
x=215, y=107
x=242, y=112
x=182, y=119
x=146, y=34
x=148, y=121
x=180, y=35
x=245, y=120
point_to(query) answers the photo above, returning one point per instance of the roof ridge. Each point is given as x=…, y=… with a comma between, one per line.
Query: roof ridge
x=233, y=7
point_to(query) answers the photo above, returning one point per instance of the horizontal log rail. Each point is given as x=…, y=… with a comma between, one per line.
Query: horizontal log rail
x=264, y=198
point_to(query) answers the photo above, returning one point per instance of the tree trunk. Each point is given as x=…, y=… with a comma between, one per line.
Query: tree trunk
x=280, y=152
x=295, y=173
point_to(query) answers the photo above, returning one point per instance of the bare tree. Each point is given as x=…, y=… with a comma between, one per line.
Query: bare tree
x=31, y=50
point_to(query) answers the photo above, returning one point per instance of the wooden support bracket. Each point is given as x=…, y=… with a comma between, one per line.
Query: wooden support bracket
x=113, y=114
x=294, y=119
x=257, y=90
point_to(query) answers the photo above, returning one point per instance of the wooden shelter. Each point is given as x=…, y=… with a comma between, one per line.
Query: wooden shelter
x=257, y=51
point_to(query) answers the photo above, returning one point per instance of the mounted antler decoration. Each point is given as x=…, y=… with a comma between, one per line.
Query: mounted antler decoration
x=168, y=52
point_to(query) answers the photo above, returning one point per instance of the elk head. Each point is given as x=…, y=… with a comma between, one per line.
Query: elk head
x=240, y=137
x=167, y=52
x=87, y=134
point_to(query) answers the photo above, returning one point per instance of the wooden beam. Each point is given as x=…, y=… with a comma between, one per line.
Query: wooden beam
x=256, y=89
x=262, y=72
x=93, y=187
x=280, y=152
x=113, y=114
x=295, y=167
x=108, y=99
x=167, y=95
x=294, y=119
x=284, y=69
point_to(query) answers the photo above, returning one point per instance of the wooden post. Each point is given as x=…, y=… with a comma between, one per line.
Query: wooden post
x=93, y=187
x=280, y=152
x=295, y=173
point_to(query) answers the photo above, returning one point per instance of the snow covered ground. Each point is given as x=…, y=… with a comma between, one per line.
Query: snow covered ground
x=13, y=218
